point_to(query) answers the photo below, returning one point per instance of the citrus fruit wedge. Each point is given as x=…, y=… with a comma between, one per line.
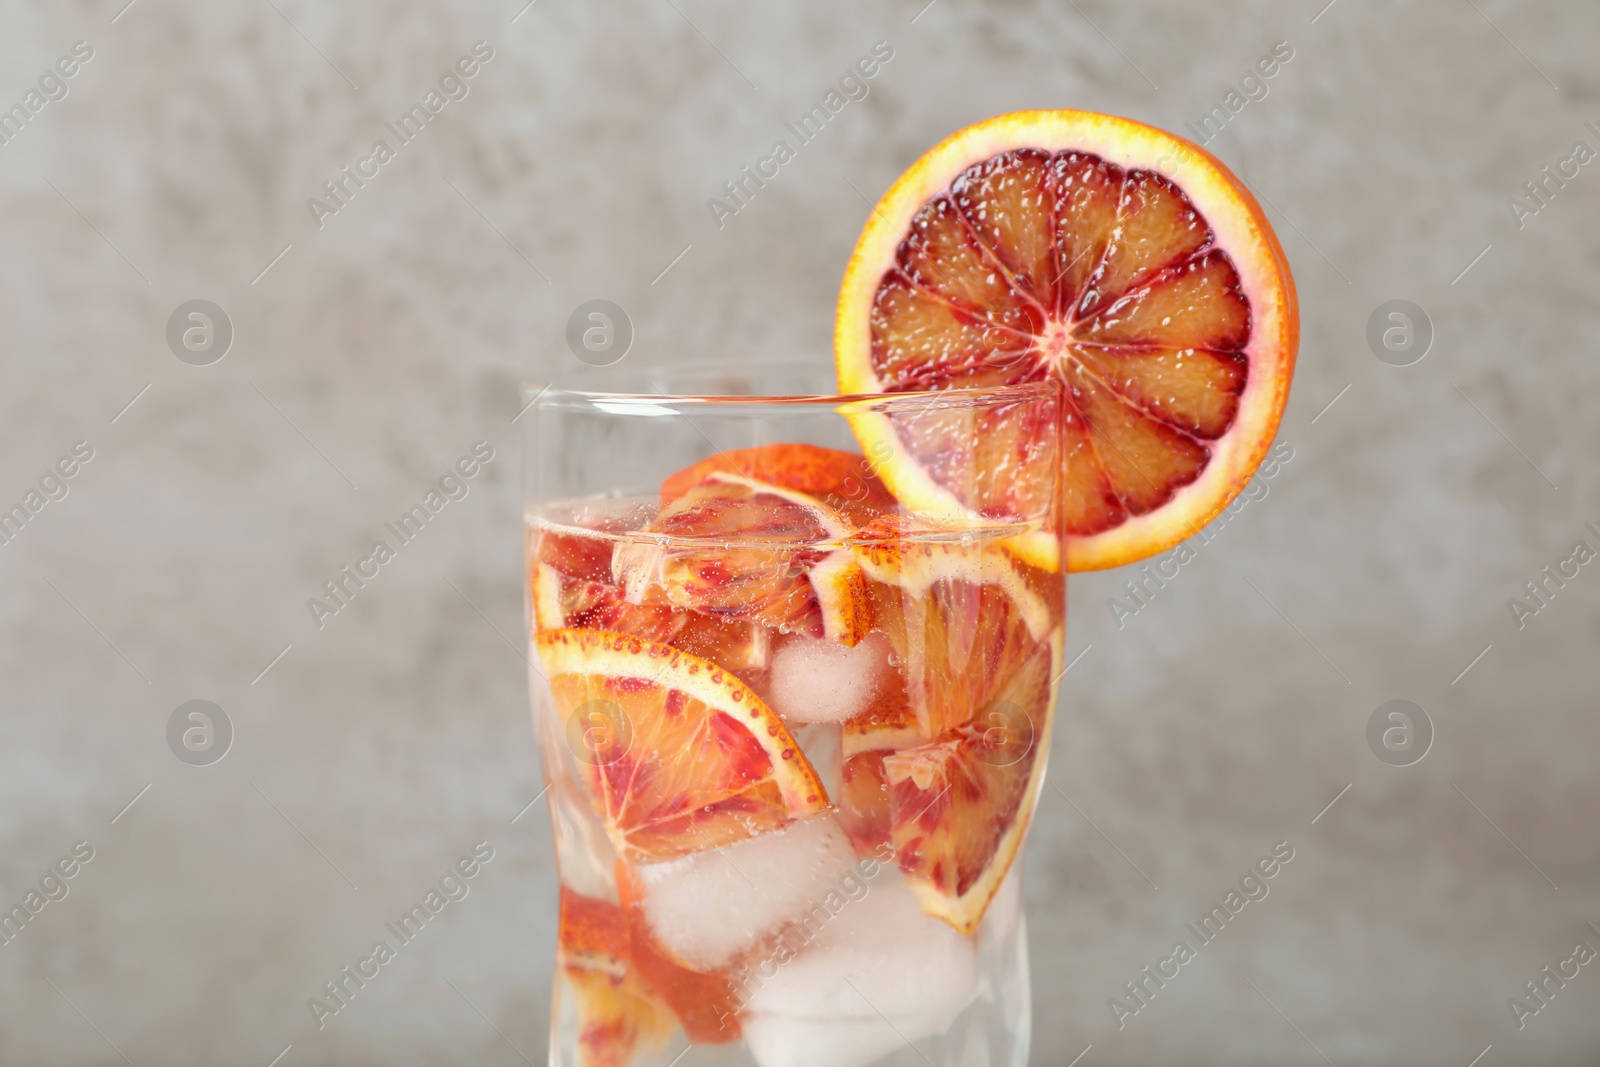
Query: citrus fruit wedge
x=616, y=1015
x=958, y=809
x=590, y=600
x=842, y=480
x=963, y=620
x=863, y=796
x=678, y=754
x=949, y=774
x=889, y=724
x=1119, y=260
x=738, y=548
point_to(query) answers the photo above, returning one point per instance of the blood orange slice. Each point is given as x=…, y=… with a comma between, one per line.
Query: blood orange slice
x=965, y=622
x=689, y=758
x=890, y=723
x=616, y=1015
x=738, y=548
x=863, y=796
x=584, y=596
x=842, y=480
x=950, y=777
x=958, y=809
x=1126, y=263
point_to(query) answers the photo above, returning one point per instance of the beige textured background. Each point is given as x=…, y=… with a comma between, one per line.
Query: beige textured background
x=1219, y=720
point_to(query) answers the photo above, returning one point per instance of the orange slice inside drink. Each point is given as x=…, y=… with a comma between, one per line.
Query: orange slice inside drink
x=842, y=480
x=677, y=753
x=948, y=771
x=616, y=1015
x=738, y=548
x=570, y=585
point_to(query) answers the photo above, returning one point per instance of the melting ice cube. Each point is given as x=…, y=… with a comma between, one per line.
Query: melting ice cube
x=708, y=907
x=881, y=974
x=813, y=680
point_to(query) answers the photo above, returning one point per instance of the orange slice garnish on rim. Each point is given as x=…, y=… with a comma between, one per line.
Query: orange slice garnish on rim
x=1124, y=262
x=677, y=753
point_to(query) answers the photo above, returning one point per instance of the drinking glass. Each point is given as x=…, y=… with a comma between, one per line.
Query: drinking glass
x=793, y=723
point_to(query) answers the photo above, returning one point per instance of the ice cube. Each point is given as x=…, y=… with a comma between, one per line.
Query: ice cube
x=880, y=955
x=708, y=907
x=813, y=680
x=881, y=974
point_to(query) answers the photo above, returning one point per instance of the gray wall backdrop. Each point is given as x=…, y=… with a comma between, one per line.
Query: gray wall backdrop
x=368, y=354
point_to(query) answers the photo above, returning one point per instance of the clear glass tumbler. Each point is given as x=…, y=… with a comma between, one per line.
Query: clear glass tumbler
x=793, y=698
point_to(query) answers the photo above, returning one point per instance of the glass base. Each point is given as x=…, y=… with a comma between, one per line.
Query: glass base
x=993, y=1030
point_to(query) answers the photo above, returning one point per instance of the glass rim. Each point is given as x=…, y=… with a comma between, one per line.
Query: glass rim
x=988, y=394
